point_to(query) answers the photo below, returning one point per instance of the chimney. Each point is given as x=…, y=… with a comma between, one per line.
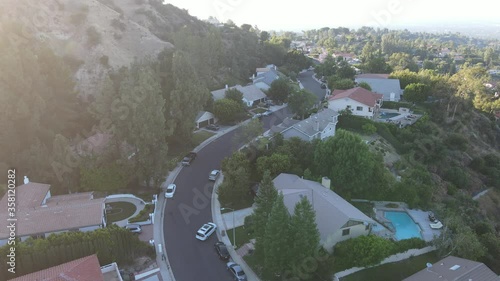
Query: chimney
x=253, y=76
x=317, y=126
x=326, y=182
x=227, y=87
x=275, y=67
x=26, y=180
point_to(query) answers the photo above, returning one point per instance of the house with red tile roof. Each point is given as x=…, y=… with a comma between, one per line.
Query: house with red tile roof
x=359, y=101
x=83, y=269
x=40, y=214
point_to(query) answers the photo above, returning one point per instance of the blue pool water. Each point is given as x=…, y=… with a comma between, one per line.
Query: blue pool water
x=387, y=115
x=405, y=227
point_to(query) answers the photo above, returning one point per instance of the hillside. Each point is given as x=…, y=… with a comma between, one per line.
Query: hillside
x=92, y=36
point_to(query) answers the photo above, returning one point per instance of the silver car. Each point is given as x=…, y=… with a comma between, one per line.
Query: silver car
x=236, y=271
x=214, y=175
x=134, y=228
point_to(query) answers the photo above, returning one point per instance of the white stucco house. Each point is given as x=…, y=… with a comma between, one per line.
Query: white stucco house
x=337, y=219
x=318, y=126
x=252, y=95
x=359, y=101
x=39, y=214
x=205, y=118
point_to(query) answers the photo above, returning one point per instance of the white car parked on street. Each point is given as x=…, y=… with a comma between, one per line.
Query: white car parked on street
x=170, y=190
x=205, y=231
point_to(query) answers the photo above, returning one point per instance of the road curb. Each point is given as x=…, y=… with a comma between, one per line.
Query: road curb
x=218, y=220
x=170, y=179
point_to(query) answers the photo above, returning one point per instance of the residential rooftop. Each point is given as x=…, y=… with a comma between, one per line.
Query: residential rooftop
x=83, y=269
x=455, y=269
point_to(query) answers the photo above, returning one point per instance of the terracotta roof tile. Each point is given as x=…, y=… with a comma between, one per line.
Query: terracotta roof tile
x=84, y=269
x=358, y=94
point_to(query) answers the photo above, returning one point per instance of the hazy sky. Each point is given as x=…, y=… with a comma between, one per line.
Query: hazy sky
x=309, y=14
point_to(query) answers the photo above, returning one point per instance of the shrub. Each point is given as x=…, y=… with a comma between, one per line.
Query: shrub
x=369, y=129
x=362, y=251
x=456, y=176
x=456, y=141
x=395, y=104
x=143, y=214
x=402, y=246
x=93, y=36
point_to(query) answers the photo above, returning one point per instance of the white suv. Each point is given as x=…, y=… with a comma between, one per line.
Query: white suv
x=205, y=231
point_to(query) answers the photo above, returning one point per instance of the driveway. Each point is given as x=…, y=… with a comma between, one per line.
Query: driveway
x=312, y=85
x=190, y=208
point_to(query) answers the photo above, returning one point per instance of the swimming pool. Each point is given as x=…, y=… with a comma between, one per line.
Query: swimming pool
x=405, y=227
x=387, y=115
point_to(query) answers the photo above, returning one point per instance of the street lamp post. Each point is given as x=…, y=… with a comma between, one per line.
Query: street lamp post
x=234, y=233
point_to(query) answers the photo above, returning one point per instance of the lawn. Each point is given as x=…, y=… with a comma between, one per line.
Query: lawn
x=201, y=136
x=259, y=110
x=393, y=271
x=365, y=207
x=242, y=236
x=120, y=211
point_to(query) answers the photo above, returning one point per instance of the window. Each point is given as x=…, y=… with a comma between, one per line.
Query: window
x=359, y=108
x=346, y=231
x=348, y=107
x=370, y=109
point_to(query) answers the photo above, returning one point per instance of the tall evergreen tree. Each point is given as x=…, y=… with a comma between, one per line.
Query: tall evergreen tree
x=276, y=240
x=144, y=125
x=264, y=201
x=304, y=234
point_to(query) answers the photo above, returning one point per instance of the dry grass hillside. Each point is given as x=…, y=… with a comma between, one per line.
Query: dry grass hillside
x=92, y=36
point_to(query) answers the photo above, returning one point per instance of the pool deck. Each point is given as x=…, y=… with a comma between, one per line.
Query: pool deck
x=418, y=216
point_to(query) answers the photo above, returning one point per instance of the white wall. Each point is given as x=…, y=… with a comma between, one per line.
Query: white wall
x=341, y=104
x=329, y=131
x=355, y=231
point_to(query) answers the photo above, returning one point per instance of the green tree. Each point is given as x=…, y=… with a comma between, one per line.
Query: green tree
x=345, y=70
x=248, y=132
x=144, y=125
x=234, y=94
x=401, y=61
x=348, y=162
x=233, y=192
x=416, y=92
x=365, y=85
x=362, y=251
x=227, y=110
x=369, y=129
x=337, y=83
x=301, y=102
x=304, y=235
x=186, y=99
x=276, y=239
x=279, y=90
x=108, y=178
x=264, y=202
x=275, y=164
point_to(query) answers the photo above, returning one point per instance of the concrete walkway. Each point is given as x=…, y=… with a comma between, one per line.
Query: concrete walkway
x=217, y=219
x=139, y=205
x=239, y=218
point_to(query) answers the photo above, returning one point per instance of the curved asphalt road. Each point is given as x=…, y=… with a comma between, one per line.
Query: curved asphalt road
x=312, y=85
x=191, y=259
